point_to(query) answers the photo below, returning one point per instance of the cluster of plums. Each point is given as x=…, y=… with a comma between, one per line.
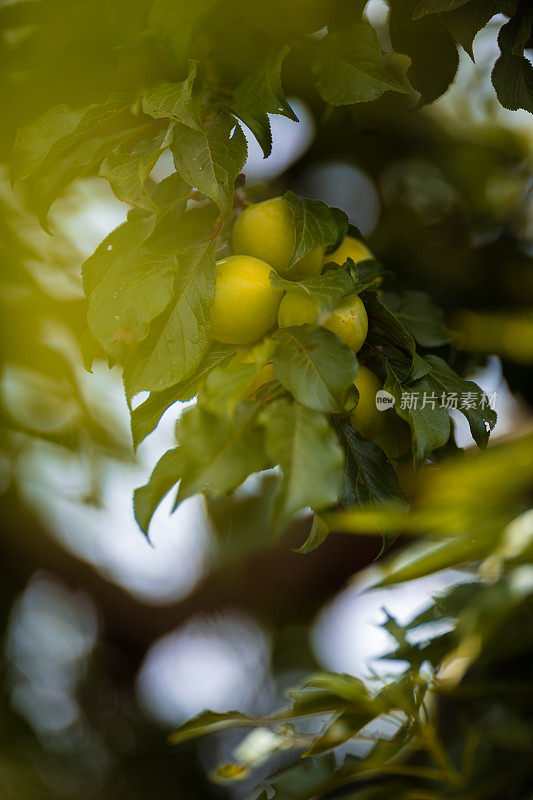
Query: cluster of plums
x=247, y=305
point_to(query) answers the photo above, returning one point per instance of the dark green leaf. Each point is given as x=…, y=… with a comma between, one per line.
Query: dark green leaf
x=174, y=100
x=316, y=224
x=46, y=140
x=430, y=423
x=326, y=290
x=429, y=45
x=211, y=158
x=126, y=169
x=472, y=401
x=512, y=76
x=309, y=454
x=167, y=472
x=174, y=23
x=146, y=416
x=420, y=316
x=369, y=476
x=315, y=366
x=465, y=22
x=178, y=343
x=348, y=66
x=260, y=94
x=432, y=6
x=219, y=454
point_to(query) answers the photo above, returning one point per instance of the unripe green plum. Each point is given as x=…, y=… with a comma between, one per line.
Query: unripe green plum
x=245, y=304
x=349, y=248
x=265, y=230
x=365, y=417
x=349, y=321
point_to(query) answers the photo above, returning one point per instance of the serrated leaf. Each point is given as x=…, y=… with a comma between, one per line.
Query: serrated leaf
x=145, y=417
x=316, y=224
x=315, y=366
x=211, y=158
x=420, y=316
x=166, y=474
x=260, y=94
x=430, y=423
x=473, y=402
x=129, y=296
x=309, y=454
x=464, y=23
x=126, y=170
x=369, y=477
x=429, y=45
x=48, y=183
x=174, y=100
x=219, y=453
x=228, y=384
x=326, y=290
x=348, y=67
x=174, y=23
x=179, y=341
x=512, y=75
x=434, y=6
x=49, y=136
x=384, y=326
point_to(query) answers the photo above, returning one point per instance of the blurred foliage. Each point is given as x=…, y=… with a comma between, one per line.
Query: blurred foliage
x=452, y=184
x=457, y=722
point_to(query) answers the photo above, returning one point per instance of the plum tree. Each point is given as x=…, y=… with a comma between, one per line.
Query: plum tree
x=365, y=417
x=265, y=230
x=245, y=304
x=350, y=247
x=349, y=320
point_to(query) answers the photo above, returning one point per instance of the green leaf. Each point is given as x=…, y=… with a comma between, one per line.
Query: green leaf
x=174, y=100
x=420, y=316
x=315, y=366
x=49, y=136
x=433, y=6
x=316, y=224
x=384, y=326
x=464, y=23
x=47, y=184
x=211, y=158
x=473, y=402
x=166, y=473
x=429, y=45
x=179, y=341
x=209, y=722
x=126, y=169
x=260, y=94
x=309, y=454
x=512, y=76
x=430, y=423
x=219, y=454
x=326, y=290
x=129, y=296
x=229, y=384
x=369, y=477
x=348, y=67
x=319, y=533
x=145, y=417
x=174, y=23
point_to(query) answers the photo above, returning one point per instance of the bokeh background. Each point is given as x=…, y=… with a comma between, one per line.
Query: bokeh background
x=108, y=642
